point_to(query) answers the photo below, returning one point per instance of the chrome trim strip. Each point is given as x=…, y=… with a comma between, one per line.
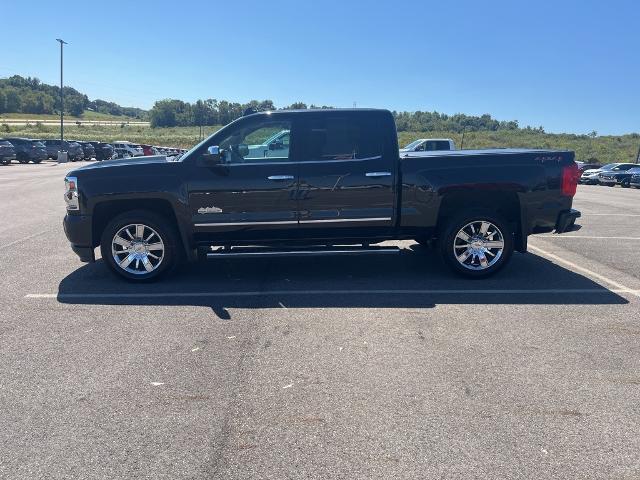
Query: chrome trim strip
x=236, y=224
x=292, y=222
x=342, y=220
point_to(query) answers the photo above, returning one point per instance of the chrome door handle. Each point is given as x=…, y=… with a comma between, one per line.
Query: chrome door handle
x=378, y=174
x=280, y=177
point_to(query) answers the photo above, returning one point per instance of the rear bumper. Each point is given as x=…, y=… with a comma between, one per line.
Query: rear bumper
x=566, y=220
x=78, y=229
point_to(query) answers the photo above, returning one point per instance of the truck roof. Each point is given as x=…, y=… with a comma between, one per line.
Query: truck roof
x=321, y=110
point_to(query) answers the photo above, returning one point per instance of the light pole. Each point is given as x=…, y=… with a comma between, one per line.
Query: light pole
x=62, y=43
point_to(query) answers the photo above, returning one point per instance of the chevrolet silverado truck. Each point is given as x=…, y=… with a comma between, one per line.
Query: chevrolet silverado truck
x=340, y=188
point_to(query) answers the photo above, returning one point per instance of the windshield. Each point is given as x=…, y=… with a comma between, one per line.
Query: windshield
x=413, y=144
x=609, y=166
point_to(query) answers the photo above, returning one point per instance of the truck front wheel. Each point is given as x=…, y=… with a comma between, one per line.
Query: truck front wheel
x=477, y=244
x=140, y=246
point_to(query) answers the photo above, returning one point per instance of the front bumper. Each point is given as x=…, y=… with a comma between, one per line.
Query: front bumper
x=589, y=179
x=607, y=181
x=566, y=220
x=78, y=229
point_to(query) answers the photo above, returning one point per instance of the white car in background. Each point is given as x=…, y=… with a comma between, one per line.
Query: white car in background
x=429, y=145
x=277, y=145
x=131, y=148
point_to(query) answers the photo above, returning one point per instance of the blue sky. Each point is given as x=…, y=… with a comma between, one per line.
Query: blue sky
x=570, y=66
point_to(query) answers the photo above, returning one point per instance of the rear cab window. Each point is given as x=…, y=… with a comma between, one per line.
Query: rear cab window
x=336, y=138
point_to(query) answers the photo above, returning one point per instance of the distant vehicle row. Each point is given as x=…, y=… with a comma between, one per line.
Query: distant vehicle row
x=26, y=150
x=624, y=174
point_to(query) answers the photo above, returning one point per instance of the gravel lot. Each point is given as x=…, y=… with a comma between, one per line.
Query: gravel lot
x=333, y=368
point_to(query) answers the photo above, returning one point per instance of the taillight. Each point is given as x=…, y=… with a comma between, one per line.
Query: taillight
x=570, y=177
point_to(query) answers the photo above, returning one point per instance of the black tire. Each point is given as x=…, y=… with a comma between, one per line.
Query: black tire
x=448, y=244
x=163, y=229
x=36, y=161
x=626, y=183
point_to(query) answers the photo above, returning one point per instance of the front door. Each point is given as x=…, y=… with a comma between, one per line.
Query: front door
x=347, y=176
x=251, y=194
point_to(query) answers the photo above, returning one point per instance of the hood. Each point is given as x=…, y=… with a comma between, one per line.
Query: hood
x=593, y=170
x=125, y=162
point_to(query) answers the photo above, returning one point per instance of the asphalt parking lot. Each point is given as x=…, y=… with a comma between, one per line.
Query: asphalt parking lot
x=334, y=368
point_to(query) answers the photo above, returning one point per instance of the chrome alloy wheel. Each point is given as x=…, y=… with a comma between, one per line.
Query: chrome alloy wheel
x=137, y=249
x=478, y=245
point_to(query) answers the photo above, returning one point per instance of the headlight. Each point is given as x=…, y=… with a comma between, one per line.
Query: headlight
x=71, y=193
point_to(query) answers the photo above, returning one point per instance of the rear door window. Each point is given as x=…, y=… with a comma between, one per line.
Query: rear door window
x=332, y=138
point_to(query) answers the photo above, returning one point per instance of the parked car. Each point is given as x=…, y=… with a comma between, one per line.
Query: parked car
x=429, y=145
x=132, y=149
x=88, y=149
x=28, y=150
x=104, y=151
x=634, y=182
x=121, y=153
x=148, y=150
x=73, y=149
x=590, y=175
x=618, y=175
x=7, y=152
x=582, y=166
x=276, y=145
x=343, y=186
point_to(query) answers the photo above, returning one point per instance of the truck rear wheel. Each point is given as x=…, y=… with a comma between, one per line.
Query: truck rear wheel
x=140, y=246
x=476, y=244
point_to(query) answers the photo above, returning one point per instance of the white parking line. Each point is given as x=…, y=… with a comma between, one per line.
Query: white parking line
x=256, y=293
x=24, y=239
x=586, y=271
x=588, y=237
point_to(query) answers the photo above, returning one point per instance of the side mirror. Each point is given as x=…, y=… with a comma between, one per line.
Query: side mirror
x=212, y=157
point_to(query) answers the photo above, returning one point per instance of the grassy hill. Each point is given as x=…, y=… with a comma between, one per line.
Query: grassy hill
x=87, y=115
x=622, y=148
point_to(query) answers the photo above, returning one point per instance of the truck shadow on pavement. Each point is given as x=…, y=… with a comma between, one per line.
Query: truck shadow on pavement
x=416, y=278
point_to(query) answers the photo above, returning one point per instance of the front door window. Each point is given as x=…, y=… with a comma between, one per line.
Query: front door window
x=257, y=142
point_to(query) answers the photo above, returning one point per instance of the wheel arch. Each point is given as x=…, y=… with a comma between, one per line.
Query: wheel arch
x=105, y=211
x=505, y=203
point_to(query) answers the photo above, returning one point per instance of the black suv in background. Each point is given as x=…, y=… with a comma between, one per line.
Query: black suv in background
x=7, y=152
x=618, y=175
x=72, y=148
x=104, y=151
x=28, y=150
x=88, y=149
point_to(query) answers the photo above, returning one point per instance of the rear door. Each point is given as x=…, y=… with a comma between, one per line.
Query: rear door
x=252, y=193
x=347, y=174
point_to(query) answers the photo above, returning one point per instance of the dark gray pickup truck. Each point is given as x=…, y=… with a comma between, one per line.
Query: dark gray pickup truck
x=315, y=182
